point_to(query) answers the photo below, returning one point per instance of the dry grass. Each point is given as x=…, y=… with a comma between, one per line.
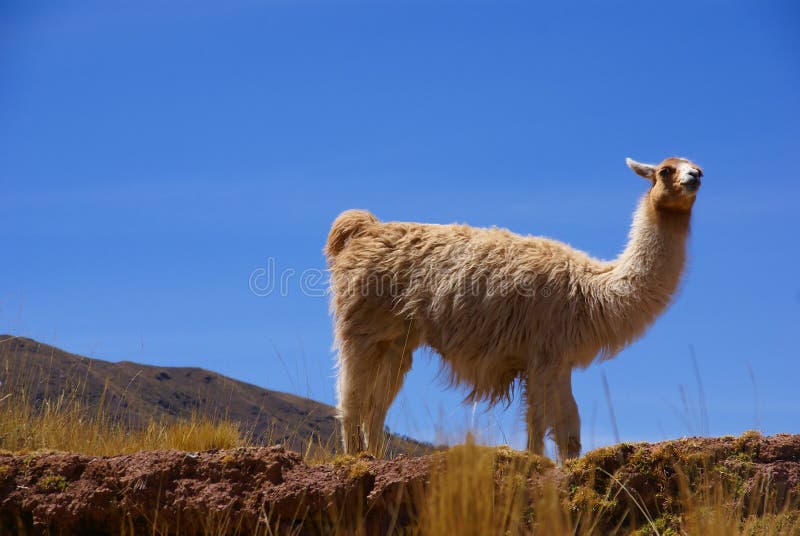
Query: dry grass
x=497, y=491
x=66, y=425
x=478, y=486
x=60, y=421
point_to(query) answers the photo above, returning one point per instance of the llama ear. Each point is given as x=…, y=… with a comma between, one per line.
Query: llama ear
x=643, y=170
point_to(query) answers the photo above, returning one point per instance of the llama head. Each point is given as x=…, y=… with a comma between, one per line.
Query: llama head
x=675, y=182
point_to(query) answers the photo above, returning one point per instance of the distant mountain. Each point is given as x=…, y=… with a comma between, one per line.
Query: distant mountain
x=137, y=393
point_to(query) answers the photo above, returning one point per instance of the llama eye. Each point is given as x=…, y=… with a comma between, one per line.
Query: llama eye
x=665, y=172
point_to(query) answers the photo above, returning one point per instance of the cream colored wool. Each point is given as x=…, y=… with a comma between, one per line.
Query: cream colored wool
x=498, y=307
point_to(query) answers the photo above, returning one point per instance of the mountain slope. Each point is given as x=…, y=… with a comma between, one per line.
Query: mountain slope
x=136, y=393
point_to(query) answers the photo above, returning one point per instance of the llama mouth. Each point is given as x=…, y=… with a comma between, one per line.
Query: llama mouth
x=691, y=187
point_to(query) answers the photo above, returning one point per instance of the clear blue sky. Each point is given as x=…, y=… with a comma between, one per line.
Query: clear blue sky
x=154, y=154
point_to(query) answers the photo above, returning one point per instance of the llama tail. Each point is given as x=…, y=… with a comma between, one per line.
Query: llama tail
x=348, y=224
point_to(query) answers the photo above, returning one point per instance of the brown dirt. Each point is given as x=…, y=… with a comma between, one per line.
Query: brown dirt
x=244, y=491
x=219, y=491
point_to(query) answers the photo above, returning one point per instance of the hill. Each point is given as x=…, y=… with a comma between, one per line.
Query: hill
x=137, y=393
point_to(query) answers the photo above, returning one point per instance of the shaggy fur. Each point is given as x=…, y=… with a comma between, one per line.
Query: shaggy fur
x=498, y=307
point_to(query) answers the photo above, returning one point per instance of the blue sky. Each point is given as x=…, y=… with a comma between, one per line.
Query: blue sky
x=153, y=155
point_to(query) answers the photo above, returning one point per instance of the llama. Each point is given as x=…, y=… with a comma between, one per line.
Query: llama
x=499, y=308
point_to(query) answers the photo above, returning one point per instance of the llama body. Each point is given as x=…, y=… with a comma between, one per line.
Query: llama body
x=497, y=307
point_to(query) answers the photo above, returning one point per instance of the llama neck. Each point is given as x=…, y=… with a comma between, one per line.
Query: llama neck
x=645, y=276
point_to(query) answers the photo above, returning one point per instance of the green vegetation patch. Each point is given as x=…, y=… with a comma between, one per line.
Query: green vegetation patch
x=52, y=484
x=6, y=472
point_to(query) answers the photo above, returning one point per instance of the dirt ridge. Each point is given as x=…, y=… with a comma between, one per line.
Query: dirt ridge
x=246, y=490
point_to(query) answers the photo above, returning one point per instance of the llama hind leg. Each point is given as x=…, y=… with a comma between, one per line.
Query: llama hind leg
x=358, y=361
x=394, y=365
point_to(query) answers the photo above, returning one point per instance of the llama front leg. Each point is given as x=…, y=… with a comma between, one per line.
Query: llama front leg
x=565, y=421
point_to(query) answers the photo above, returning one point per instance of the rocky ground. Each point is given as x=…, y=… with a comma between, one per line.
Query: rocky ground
x=269, y=489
